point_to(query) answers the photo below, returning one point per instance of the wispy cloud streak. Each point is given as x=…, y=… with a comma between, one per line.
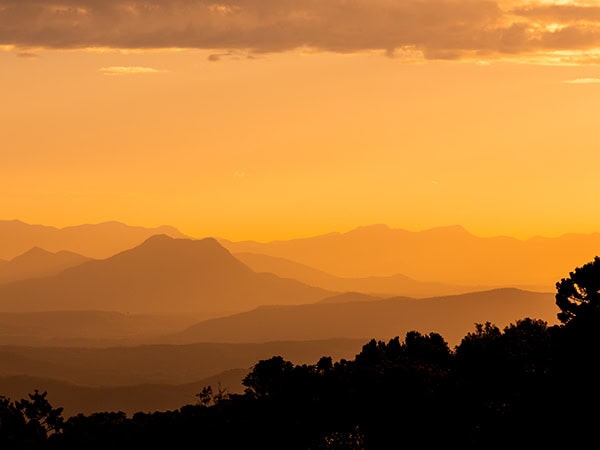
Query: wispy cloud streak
x=583, y=81
x=128, y=70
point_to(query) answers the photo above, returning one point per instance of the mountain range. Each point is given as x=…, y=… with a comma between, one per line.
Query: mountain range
x=146, y=377
x=385, y=286
x=89, y=328
x=161, y=275
x=92, y=240
x=114, y=317
x=449, y=255
x=37, y=262
x=149, y=397
x=451, y=316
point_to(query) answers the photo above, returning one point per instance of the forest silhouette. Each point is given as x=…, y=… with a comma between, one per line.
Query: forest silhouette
x=526, y=385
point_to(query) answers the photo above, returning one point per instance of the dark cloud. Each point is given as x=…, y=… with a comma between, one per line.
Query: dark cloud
x=449, y=29
x=216, y=57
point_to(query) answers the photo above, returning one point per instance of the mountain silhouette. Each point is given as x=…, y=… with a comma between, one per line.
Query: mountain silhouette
x=92, y=240
x=38, y=262
x=444, y=255
x=451, y=316
x=162, y=275
x=385, y=286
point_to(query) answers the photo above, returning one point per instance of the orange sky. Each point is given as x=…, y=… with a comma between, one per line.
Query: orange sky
x=277, y=119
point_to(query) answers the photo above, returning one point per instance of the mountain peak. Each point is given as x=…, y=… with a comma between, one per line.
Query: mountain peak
x=33, y=253
x=155, y=238
x=163, y=239
x=162, y=274
x=37, y=251
x=161, y=247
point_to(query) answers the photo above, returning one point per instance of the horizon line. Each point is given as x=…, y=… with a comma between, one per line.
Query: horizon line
x=356, y=228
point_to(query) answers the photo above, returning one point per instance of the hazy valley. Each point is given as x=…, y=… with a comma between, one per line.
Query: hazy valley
x=162, y=314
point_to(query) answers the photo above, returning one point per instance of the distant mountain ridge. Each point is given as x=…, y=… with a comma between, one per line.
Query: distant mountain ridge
x=451, y=316
x=386, y=286
x=92, y=240
x=89, y=328
x=37, y=262
x=160, y=363
x=161, y=275
x=444, y=255
x=76, y=399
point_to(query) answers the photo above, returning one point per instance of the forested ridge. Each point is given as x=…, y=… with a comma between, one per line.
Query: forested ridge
x=526, y=385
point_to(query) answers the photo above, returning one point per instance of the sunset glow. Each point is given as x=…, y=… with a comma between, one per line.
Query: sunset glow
x=281, y=119
x=299, y=224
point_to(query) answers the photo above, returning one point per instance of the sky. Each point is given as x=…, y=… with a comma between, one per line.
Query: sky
x=276, y=119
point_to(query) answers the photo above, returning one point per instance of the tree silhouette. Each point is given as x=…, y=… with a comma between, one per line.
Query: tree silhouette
x=13, y=428
x=40, y=414
x=27, y=424
x=207, y=397
x=577, y=347
x=267, y=377
x=578, y=296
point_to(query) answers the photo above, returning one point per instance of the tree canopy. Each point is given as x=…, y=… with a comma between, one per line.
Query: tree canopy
x=578, y=295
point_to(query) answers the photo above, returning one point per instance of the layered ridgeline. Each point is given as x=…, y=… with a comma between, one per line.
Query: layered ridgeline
x=92, y=240
x=162, y=275
x=37, y=262
x=144, y=377
x=363, y=317
x=449, y=255
x=89, y=328
x=385, y=286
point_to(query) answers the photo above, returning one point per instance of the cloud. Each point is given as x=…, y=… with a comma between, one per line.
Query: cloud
x=27, y=55
x=231, y=54
x=583, y=81
x=127, y=70
x=435, y=29
x=215, y=57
